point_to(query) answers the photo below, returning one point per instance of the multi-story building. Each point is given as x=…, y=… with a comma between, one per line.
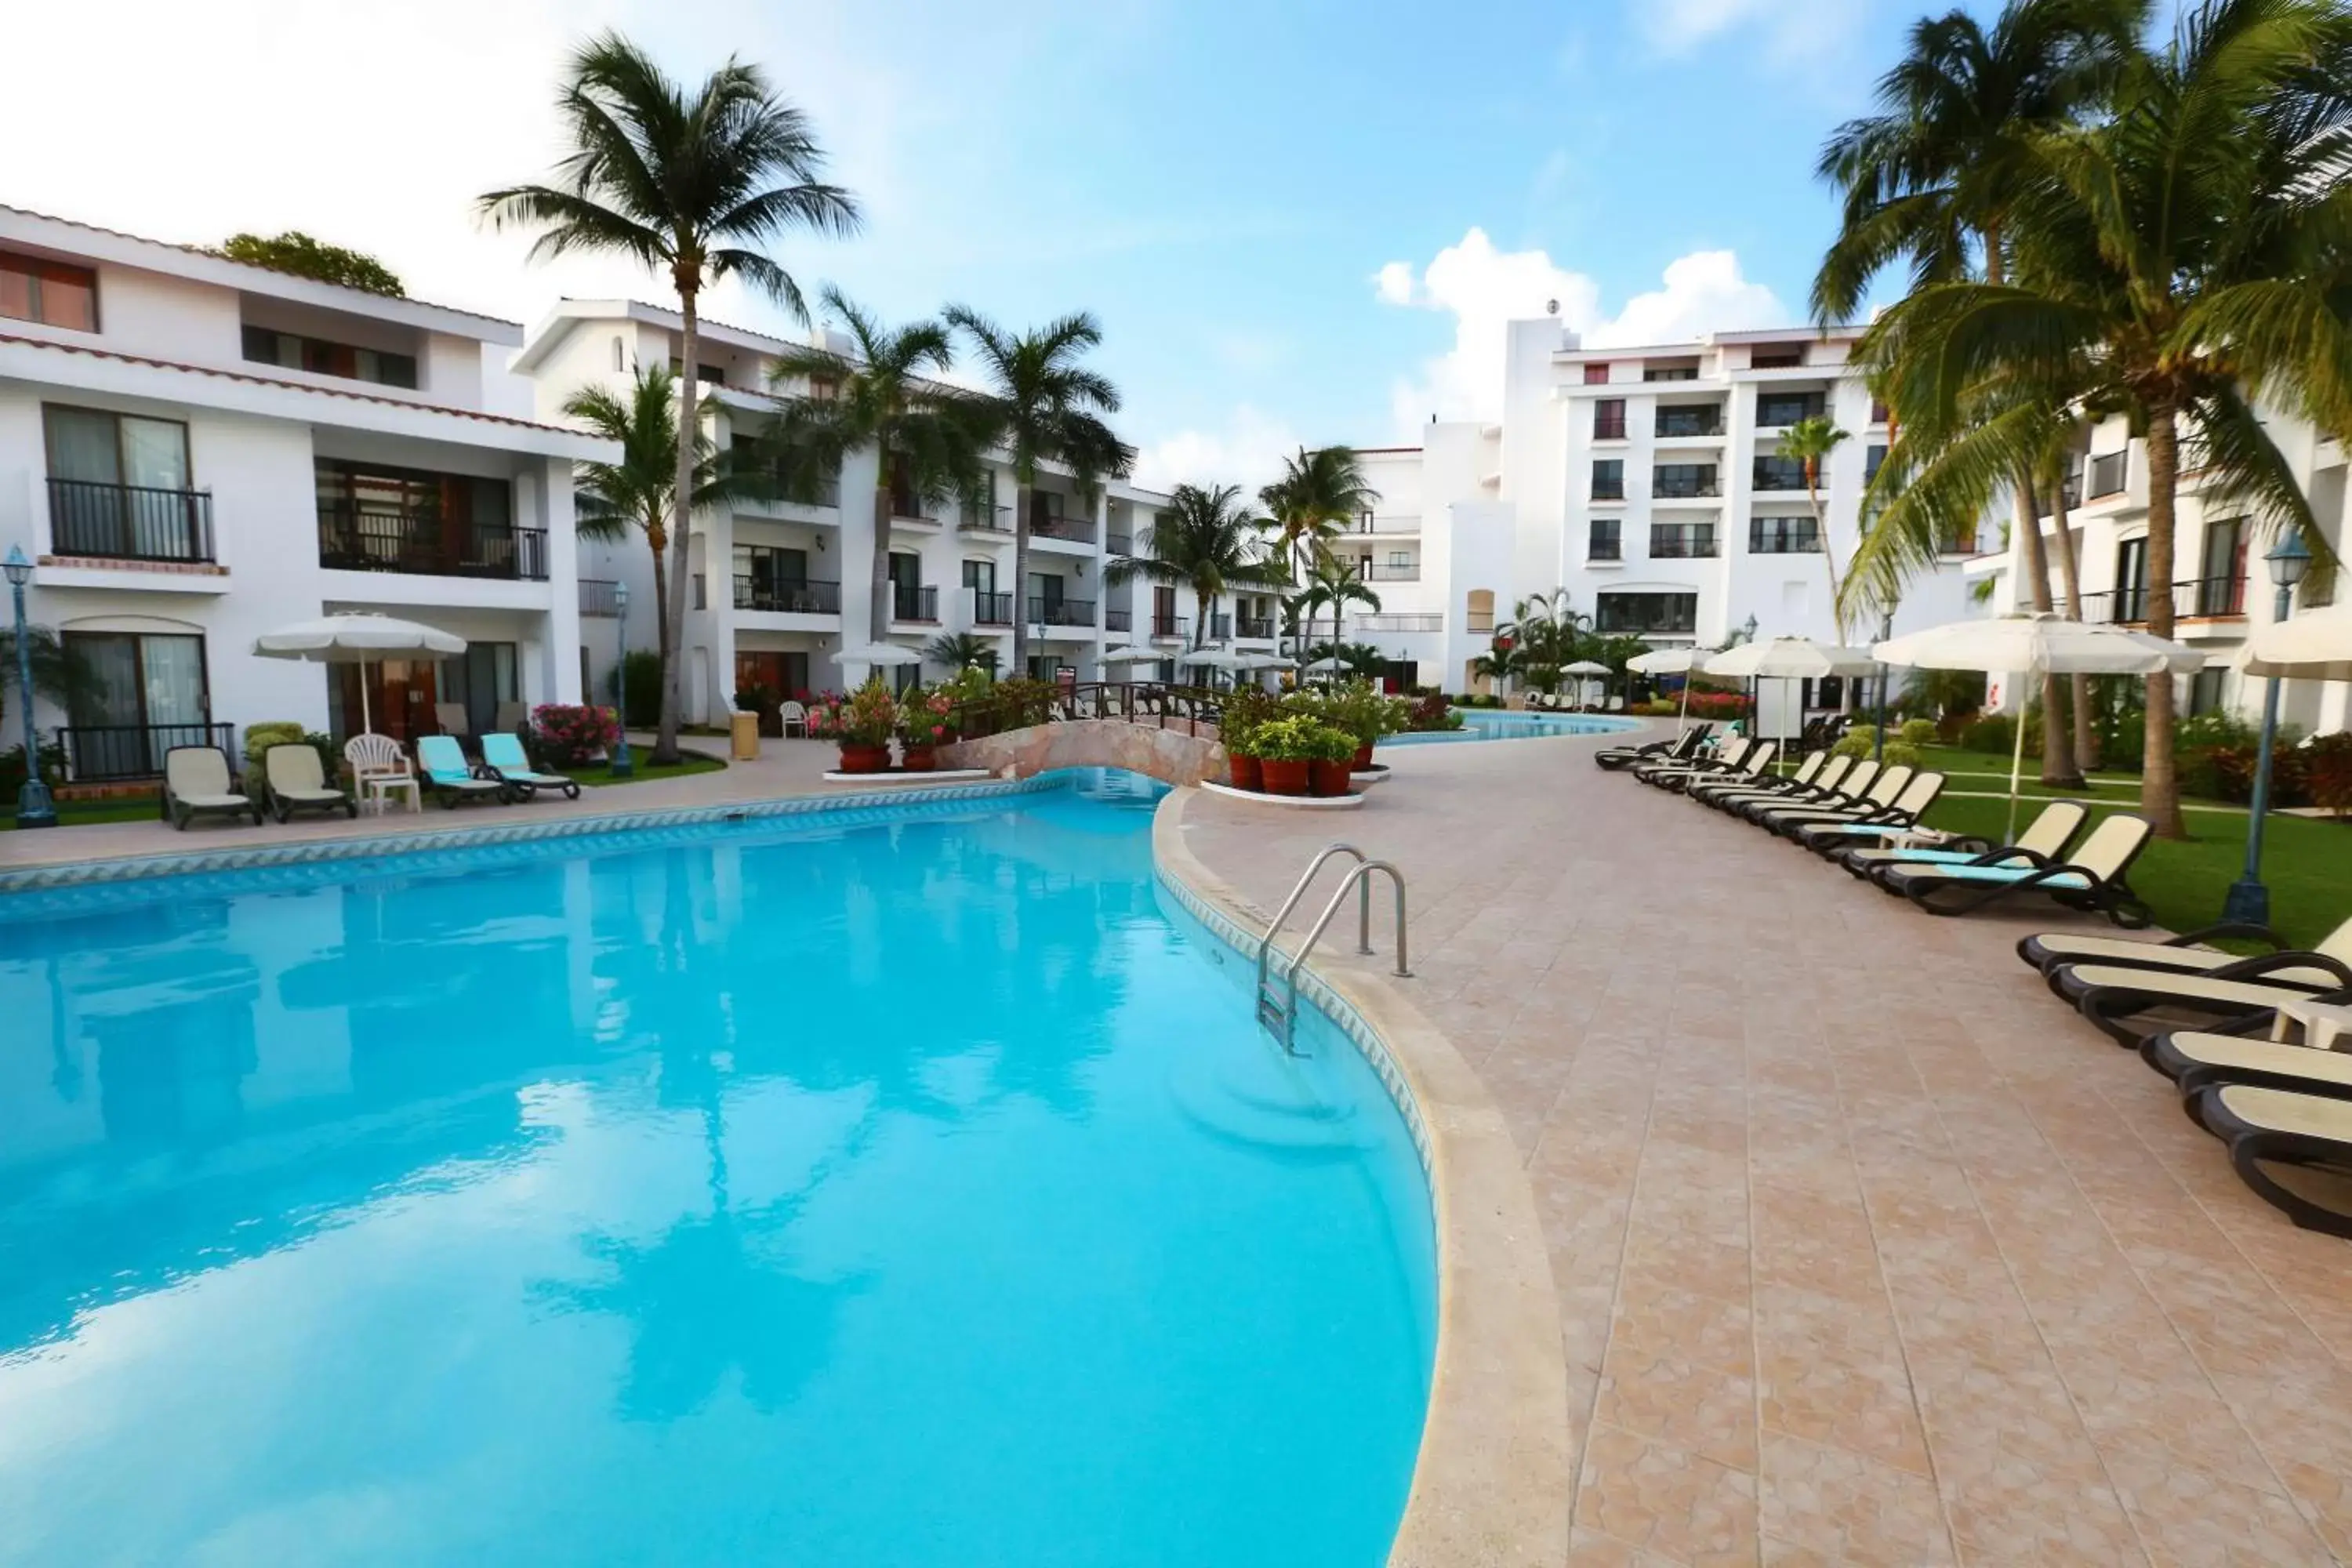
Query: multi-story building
x=194, y=452
x=2219, y=588
x=1646, y=483
x=778, y=590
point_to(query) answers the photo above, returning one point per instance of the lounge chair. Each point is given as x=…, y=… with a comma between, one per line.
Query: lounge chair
x=1682, y=747
x=2091, y=877
x=2194, y=1059
x=1725, y=752
x=1853, y=787
x=447, y=775
x=1882, y=794
x=2294, y=1150
x=2045, y=838
x=197, y=783
x=452, y=720
x=299, y=783
x=504, y=757
x=1817, y=773
x=1740, y=759
x=2111, y=993
x=2184, y=954
x=1897, y=816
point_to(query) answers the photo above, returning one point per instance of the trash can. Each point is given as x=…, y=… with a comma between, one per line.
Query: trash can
x=743, y=730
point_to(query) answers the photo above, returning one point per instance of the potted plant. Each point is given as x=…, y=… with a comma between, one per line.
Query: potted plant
x=1330, y=769
x=1237, y=724
x=925, y=722
x=861, y=724
x=1288, y=750
x=1362, y=711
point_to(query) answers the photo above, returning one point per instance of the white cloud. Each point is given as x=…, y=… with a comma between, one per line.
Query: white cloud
x=1485, y=288
x=1789, y=32
x=1248, y=452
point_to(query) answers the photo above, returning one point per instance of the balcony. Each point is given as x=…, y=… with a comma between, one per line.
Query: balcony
x=1166, y=626
x=1120, y=543
x=1684, y=484
x=2109, y=470
x=1389, y=572
x=1118, y=620
x=1062, y=612
x=1777, y=410
x=1601, y=548
x=1396, y=524
x=787, y=597
x=1221, y=629
x=1253, y=627
x=1434, y=621
x=914, y=601
x=380, y=538
x=1678, y=423
x=96, y=754
x=1778, y=474
x=1608, y=490
x=1606, y=427
x=600, y=597
x=1074, y=530
x=130, y=522
x=2197, y=598
x=1679, y=543
x=990, y=520
x=991, y=609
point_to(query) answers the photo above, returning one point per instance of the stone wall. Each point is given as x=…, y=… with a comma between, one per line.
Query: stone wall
x=1169, y=755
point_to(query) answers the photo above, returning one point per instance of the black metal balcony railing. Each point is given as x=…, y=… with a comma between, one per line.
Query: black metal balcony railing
x=1779, y=474
x=371, y=539
x=1120, y=543
x=1603, y=548
x=987, y=519
x=1606, y=428
x=2108, y=472
x=914, y=601
x=1061, y=612
x=1221, y=629
x=991, y=609
x=2207, y=598
x=1171, y=625
x=1647, y=615
x=1118, y=620
x=1389, y=572
x=96, y=754
x=1774, y=410
x=1673, y=422
x=1667, y=484
x=130, y=522
x=1077, y=530
x=787, y=596
x=600, y=597
x=1681, y=543
x=1253, y=626
x=1608, y=490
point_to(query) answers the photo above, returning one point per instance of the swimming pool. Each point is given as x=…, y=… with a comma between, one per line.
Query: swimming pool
x=918, y=1192
x=1509, y=724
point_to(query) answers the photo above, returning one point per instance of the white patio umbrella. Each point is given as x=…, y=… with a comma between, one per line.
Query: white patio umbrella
x=2032, y=646
x=1673, y=661
x=885, y=653
x=2313, y=647
x=1262, y=661
x=359, y=637
x=1214, y=658
x=1790, y=658
x=1326, y=665
x=1127, y=653
x=1583, y=667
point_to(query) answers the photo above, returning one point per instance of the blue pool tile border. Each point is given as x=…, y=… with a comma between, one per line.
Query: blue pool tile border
x=402, y=851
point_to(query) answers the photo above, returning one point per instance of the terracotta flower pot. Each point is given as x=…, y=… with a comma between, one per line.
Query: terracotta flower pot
x=919, y=758
x=1284, y=776
x=1328, y=778
x=1363, y=757
x=1245, y=772
x=857, y=758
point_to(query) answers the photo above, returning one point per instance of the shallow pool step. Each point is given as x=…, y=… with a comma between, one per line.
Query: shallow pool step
x=1272, y=1113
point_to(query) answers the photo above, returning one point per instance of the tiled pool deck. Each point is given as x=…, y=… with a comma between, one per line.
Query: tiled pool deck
x=1865, y=1247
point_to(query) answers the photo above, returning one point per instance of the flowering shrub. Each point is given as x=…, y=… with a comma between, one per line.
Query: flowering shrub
x=2327, y=771
x=1719, y=705
x=927, y=718
x=867, y=717
x=569, y=734
x=1432, y=712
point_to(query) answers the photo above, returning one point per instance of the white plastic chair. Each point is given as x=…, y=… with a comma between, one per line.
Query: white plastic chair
x=792, y=714
x=380, y=768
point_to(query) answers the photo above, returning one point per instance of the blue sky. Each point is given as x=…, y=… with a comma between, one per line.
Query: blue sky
x=1222, y=183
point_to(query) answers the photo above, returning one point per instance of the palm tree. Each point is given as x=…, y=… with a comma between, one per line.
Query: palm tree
x=1936, y=172
x=1203, y=538
x=1317, y=494
x=1502, y=660
x=964, y=650
x=634, y=495
x=1049, y=409
x=59, y=674
x=687, y=182
x=1331, y=583
x=930, y=440
x=1810, y=441
x=2186, y=259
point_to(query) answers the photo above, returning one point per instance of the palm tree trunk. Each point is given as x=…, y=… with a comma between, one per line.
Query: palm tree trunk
x=879, y=595
x=1829, y=551
x=689, y=427
x=2057, y=761
x=1021, y=571
x=2070, y=576
x=659, y=539
x=2159, y=787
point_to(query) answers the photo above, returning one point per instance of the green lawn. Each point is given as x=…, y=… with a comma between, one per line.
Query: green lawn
x=73, y=814
x=599, y=775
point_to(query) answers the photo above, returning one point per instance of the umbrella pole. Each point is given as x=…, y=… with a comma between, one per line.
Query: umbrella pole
x=2016, y=770
x=1683, y=723
x=367, y=723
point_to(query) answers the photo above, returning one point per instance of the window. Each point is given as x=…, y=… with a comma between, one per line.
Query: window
x=2131, y=580
x=94, y=446
x=49, y=292
x=1631, y=612
x=1872, y=456
x=1400, y=559
x=1775, y=358
x=1682, y=541
x=1877, y=411
x=1779, y=474
x=119, y=486
x=1480, y=609
x=292, y=351
x=1609, y=480
x=1604, y=541
x=620, y=362
x=2108, y=471
x=2221, y=585
x=1670, y=372
x=1596, y=374
x=1683, y=480
x=1609, y=419
x=1783, y=536
x=482, y=680
x=1788, y=407
x=145, y=693
x=2205, y=690
x=1703, y=419
x=709, y=376
x=377, y=518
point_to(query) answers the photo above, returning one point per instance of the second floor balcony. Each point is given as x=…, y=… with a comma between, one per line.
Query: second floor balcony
x=424, y=543
x=600, y=597
x=2195, y=598
x=1389, y=572
x=1682, y=542
x=1165, y=627
x=1074, y=530
x=991, y=609
x=1050, y=611
x=787, y=595
x=1683, y=482
x=914, y=601
x=1118, y=620
x=1681, y=423
x=1253, y=626
x=130, y=522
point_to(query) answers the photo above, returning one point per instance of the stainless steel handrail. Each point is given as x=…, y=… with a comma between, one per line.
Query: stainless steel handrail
x=1360, y=877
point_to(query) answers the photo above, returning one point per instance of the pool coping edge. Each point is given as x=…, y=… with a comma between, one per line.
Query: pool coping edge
x=1494, y=1475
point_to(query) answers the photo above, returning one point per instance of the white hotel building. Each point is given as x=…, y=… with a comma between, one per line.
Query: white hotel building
x=2221, y=588
x=1645, y=481
x=777, y=589
x=195, y=451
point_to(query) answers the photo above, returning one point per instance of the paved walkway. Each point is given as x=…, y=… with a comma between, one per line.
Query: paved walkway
x=1866, y=1248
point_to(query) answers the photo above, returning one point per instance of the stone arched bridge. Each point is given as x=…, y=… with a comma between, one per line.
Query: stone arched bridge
x=1171, y=755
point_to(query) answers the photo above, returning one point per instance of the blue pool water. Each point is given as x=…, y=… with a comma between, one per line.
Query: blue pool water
x=775, y=1193
x=1508, y=724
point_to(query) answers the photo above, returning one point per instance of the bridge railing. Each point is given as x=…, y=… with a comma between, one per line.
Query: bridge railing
x=1153, y=702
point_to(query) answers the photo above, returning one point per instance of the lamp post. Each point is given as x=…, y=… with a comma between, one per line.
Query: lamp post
x=2249, y=902
x=623, y=764
x=34, y=807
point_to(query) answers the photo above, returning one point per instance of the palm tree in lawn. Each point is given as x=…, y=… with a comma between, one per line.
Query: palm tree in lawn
x=1332, y=585
x=1810, y=441
x=1933, y=178
x=636, y=495
x=1318, y=494
x=2187, y=257
x=1203, y=538
x=1048, y=410
x=689, y=181
x=927, y=435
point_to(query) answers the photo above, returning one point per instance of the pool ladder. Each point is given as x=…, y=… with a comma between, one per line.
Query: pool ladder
x=1277, y=990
